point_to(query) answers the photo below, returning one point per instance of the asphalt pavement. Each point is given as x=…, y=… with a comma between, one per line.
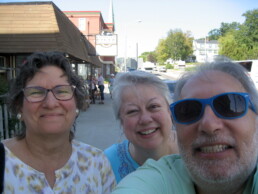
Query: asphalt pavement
x=98, y=126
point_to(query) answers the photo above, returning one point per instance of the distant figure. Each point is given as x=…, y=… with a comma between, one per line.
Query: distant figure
x=101, y=88
x=141, y=103
x=215, y=116
x=44, y=158
x=93, y=88
x=110, y=84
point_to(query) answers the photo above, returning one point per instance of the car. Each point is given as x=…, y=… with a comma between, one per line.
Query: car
x=162, y=69
x=171, y=86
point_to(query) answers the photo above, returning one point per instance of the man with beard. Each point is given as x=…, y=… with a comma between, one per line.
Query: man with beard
x=215, y=115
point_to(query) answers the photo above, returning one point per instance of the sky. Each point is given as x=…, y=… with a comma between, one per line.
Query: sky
x=142, y=23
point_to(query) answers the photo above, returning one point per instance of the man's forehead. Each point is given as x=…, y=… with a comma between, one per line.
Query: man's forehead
x=204, y=82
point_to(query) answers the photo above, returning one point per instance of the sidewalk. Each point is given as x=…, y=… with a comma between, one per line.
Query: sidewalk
x=97, y=125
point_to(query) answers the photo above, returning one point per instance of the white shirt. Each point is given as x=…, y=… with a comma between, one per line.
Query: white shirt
x=87, y=171
x=100, y=80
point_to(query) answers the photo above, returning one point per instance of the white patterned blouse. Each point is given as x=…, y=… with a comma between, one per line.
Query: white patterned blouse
x=87, y=171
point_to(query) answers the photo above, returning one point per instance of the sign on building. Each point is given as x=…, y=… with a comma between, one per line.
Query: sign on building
x=106, y=44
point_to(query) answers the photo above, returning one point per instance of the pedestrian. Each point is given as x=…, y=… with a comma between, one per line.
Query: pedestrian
x=215, y=116
x=110, y=84
x=141, y=104
x=101, y=88
x=46, y=96
x=93, y=88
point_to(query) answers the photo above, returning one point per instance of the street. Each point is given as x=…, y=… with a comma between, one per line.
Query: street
x=98, y=127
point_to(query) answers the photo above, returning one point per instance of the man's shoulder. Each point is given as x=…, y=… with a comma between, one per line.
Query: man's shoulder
x=165, y=161
x=164, y=167
x=167, y=175
x=170, y=167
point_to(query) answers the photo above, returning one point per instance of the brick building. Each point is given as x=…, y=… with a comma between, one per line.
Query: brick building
x=91, y=24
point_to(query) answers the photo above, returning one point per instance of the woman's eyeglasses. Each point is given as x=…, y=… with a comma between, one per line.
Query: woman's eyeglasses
x=226, y=106
x=38, y=94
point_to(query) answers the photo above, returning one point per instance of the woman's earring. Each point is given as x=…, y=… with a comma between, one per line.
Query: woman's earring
x=77, y=111
x=19, y=116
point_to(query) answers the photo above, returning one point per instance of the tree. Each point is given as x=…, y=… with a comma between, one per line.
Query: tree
x=152, y=57
x=161, y=51
x=149, y=56
x=240, y=42
x=179, y=44
x=214, y=34
x=251, y=22
x=227, y=27
x=144, y=56
x=230, y=47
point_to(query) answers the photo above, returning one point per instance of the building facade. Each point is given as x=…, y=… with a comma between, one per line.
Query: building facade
x=91, y=24
x=205, y=50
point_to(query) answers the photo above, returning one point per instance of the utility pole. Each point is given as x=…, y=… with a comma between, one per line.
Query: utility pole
x=139, y=21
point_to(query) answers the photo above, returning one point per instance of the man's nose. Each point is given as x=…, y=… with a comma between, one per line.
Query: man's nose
x=210, y=123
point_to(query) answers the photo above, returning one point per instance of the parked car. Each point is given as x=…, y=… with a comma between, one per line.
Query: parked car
x=162, y=69
x=171, y=86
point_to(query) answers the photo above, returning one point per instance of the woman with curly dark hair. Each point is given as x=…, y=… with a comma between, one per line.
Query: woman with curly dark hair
x=46, y=96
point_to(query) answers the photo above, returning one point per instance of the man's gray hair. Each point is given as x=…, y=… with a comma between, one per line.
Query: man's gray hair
x=234, y=69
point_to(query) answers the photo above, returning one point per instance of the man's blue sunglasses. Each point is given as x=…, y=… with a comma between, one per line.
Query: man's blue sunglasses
x=231, y=105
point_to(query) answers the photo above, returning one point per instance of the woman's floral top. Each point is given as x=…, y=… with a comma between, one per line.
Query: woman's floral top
x=87, y=171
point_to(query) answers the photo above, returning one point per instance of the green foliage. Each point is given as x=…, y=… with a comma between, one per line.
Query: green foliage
x=239, y=41
x=169, y=66
x=214, y=34
x=227, y=27
x=162, y=51
x=190, y=68
x=152, y=57
x=161, y=64
x=149, y=56
x=231, y=48
x=254, y=53
x=251, y=23
x=144, y=56
x=179, y=44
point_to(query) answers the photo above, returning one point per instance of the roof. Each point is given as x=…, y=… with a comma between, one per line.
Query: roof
x=207, y=41
x=27, y=27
